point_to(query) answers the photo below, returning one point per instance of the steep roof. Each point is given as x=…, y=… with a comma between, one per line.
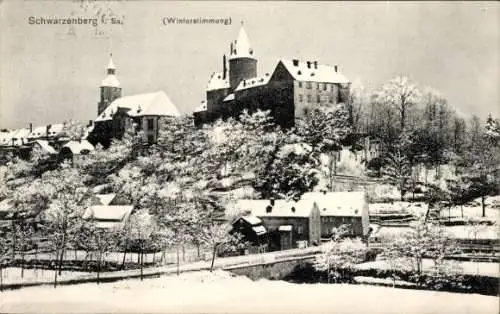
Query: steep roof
x=281, y=208
x=253, y=82
x=217, y=81
x=201, y=107
x=103, y=199
x=242, y=47
x=229, y=97
x=151, y=104
x=46, y=146
x=115, y=213
x=20, y=136
x=338, y=203
x=323, y=73
x=76, y=147
x=111, y=80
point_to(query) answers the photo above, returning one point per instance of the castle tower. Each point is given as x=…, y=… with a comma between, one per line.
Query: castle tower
x=110, y=87
x=242, y=64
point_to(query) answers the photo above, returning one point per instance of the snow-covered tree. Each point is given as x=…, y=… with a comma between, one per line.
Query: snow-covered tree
x=425, y=240
x=397, y=171
x=339, y=258
x=218, y=237
x=63, y=217
x=401, y=94
x=142, y=227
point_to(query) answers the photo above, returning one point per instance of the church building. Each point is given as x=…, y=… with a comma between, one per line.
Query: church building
x=289, y=91
x=141, y=112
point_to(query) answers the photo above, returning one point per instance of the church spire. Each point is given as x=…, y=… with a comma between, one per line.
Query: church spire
x=241, y=47
x=111, y=80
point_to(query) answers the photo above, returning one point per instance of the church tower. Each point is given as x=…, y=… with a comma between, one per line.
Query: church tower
x=242, y=64
x=110, y=87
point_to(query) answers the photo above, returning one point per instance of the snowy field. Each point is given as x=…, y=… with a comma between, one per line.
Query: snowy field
x=202, y=292
x=13, y=275
x=464, y=267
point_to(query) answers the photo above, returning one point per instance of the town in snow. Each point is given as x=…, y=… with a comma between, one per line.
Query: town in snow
x=296, y=180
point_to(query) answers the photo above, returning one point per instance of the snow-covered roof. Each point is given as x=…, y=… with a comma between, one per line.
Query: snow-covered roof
x=5, y=137
x=103, y=199
x=241, y=46
x=111, y=64
x=229, y=97
x=46, y=146
x=259, y=230
x=110, y=81
x=285, y=228
x=151, y=104
x=77, y=147
x=217, y=81
x=20, y=137
x=338, y=203
x=46, y=130
x=323, y=73
x=6, y=205
x=253, y=82
x=108, y=212
x=281, y=208
x=201, y=107
x=251, y=219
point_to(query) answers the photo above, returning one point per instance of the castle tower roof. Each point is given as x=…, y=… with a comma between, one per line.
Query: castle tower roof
x=241, y=48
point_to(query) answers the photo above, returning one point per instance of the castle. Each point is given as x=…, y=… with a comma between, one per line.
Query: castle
x=288, y=92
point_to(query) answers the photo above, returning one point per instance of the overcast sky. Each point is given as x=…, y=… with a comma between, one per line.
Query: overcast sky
x=51, y=73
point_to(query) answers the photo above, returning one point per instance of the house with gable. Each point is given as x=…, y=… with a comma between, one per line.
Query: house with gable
x=342, y=208
x=289, y=224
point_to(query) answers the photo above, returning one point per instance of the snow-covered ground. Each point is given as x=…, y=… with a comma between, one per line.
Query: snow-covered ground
x=13, y=275
x=203, y=292
x=464, y=267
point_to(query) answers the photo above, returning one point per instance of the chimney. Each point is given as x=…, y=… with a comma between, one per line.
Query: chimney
x=271, y=201
x=295, y=62
x=308, y=64
x=224, y=69
x=31, y=127
x=47, y=128
x=269, y=209
x=91, y=122
x=336, y=67
x=315, y=64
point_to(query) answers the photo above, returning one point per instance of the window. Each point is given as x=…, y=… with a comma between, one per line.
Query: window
x=151, y=124
x=331, y=87
x=301, y=97
x=318, y=99
x=300, y=84
x=300, y=230
x=317, y=85
x=324, y=86
x=308, y=85
x=151, y=138
x=309, y=98
x=330, y=98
